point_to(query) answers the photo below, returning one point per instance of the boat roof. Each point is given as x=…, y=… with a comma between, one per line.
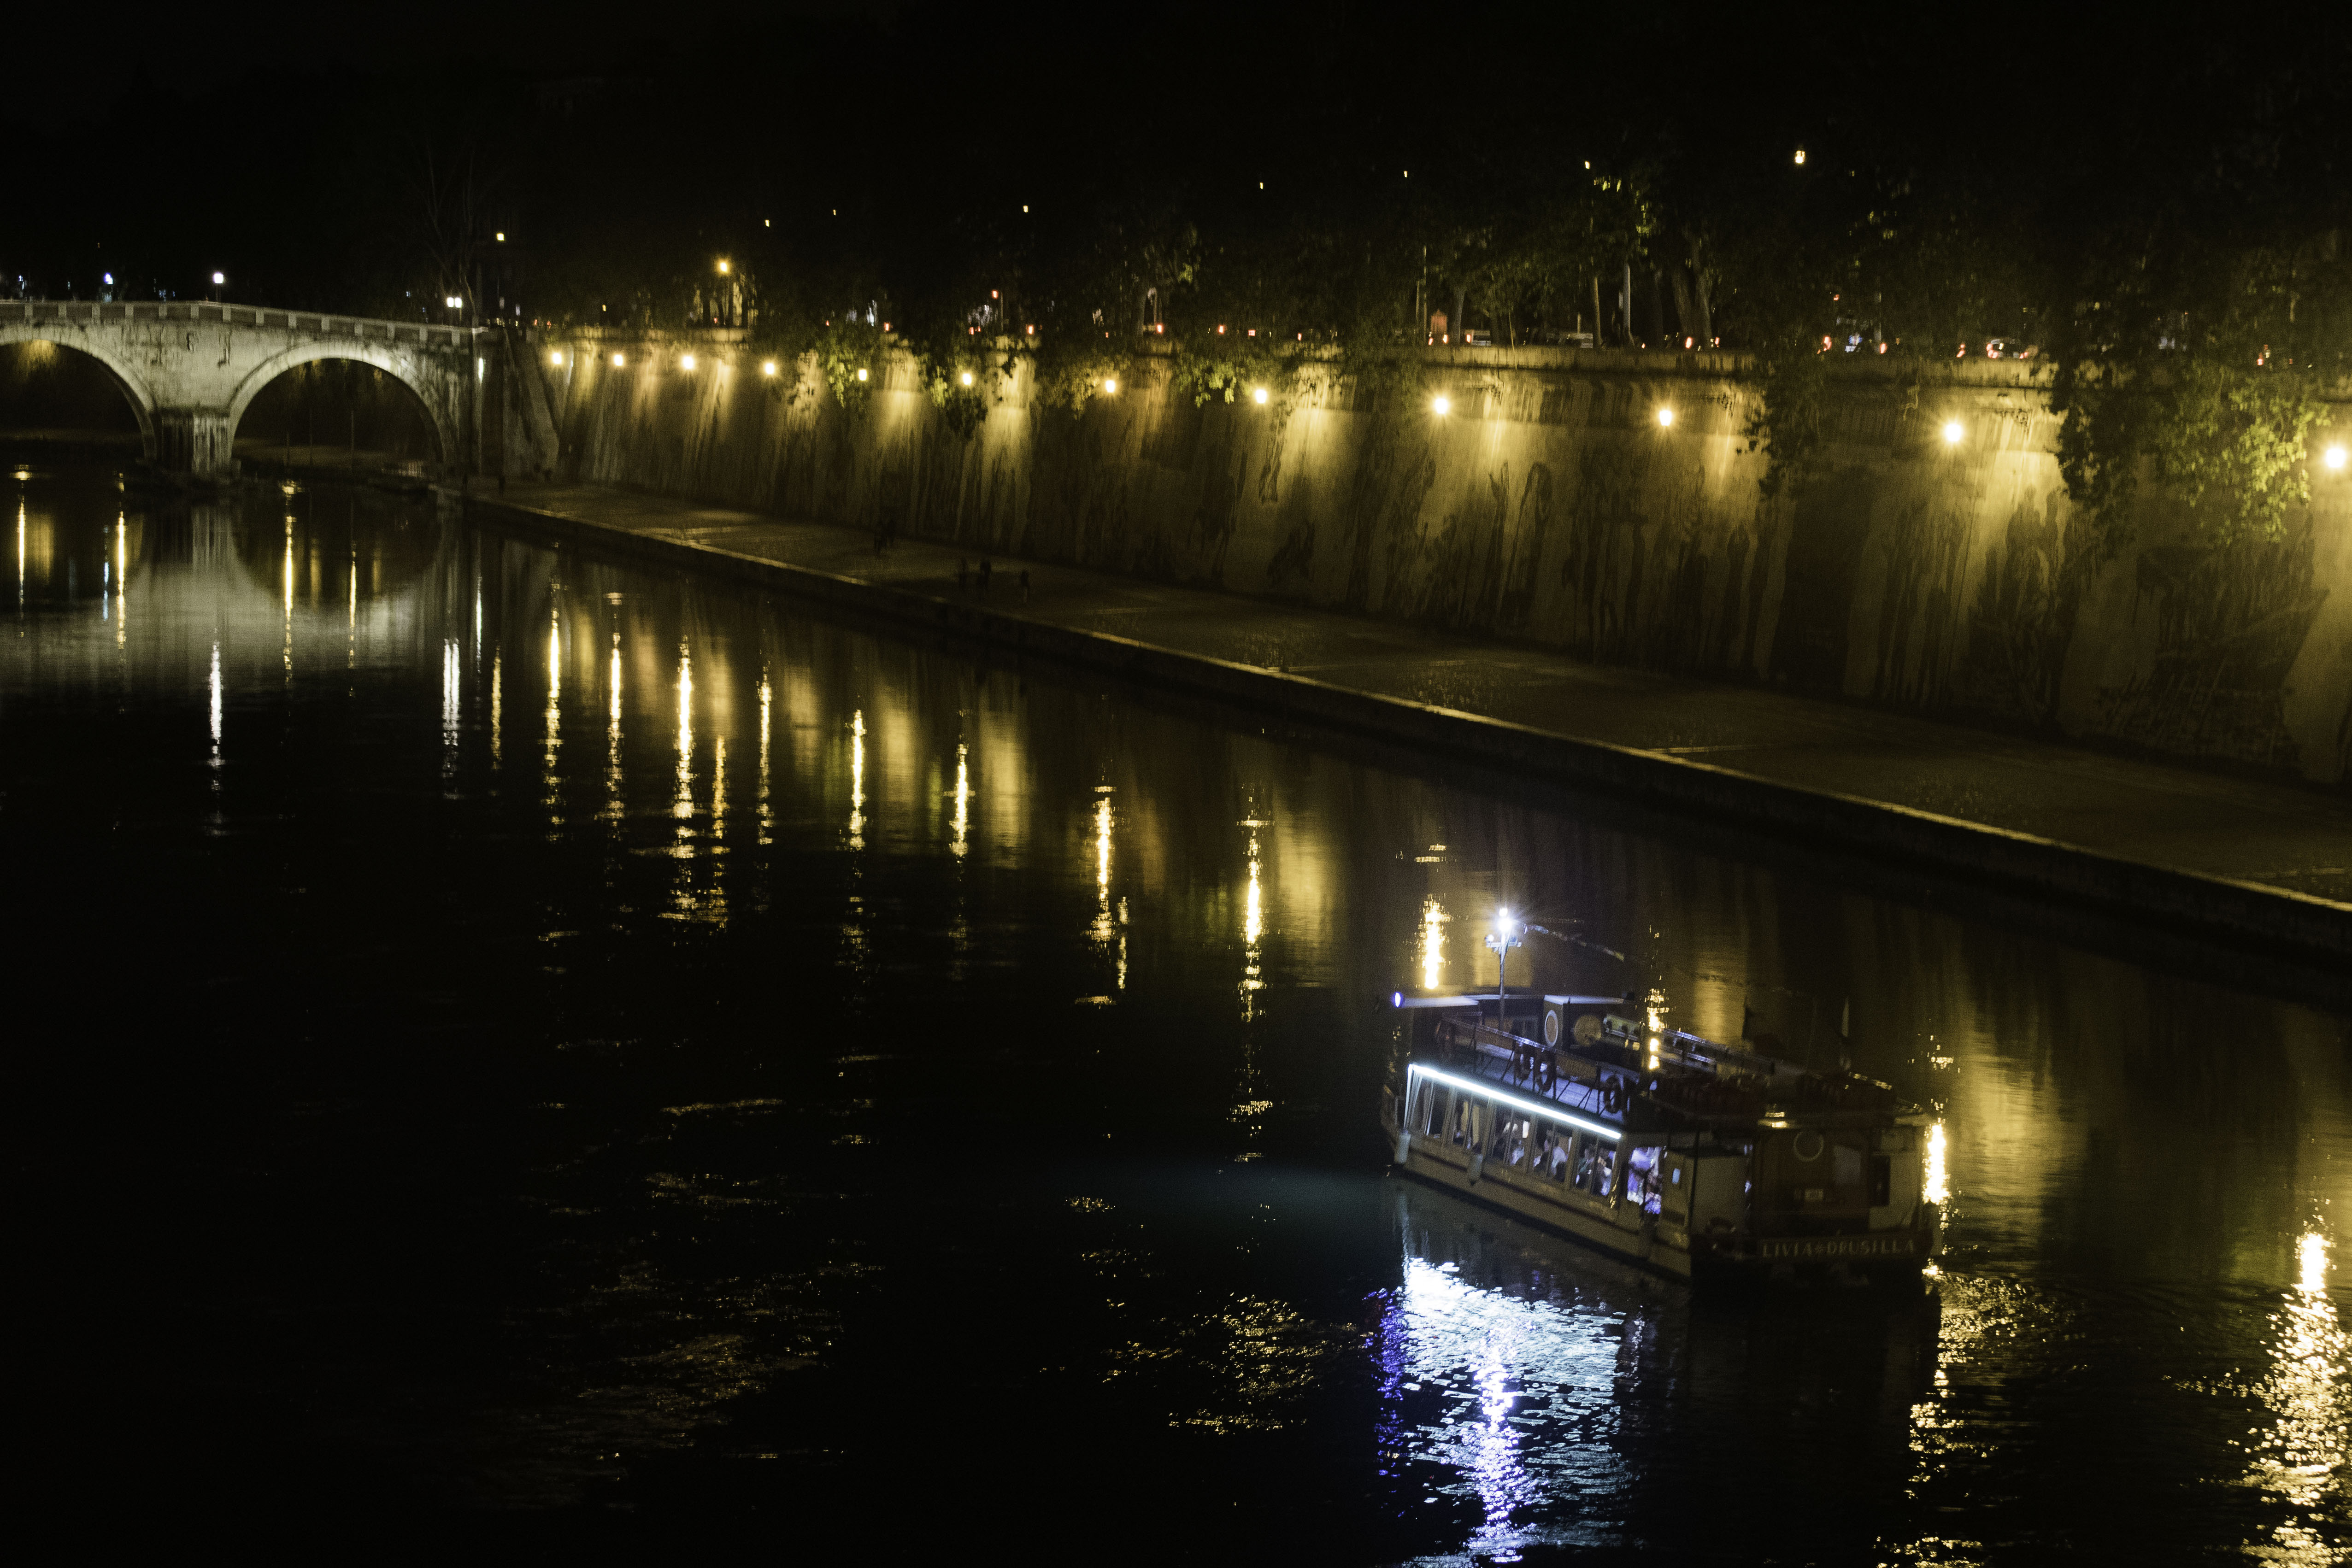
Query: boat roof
x=1472, y=998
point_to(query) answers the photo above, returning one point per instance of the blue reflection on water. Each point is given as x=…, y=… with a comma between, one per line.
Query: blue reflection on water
x=1500, y=1389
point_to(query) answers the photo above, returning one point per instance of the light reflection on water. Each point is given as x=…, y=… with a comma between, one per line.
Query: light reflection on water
x=1519, y=1402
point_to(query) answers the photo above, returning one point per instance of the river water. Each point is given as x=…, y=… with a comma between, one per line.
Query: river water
x=503, y=1029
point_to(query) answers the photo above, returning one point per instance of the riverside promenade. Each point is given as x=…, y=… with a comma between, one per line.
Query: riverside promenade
x=2265, y=863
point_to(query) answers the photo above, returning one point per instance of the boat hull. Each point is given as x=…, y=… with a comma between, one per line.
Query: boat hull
x=1623, y=1230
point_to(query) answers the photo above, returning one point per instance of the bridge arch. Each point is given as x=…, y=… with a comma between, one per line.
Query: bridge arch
x=118, y=370
x=430, y=384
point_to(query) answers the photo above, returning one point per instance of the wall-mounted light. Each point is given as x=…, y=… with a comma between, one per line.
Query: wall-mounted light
x=620, y=359
x=1258, y=396
x=685, y=362
x=1441, y=406
x=861, y=372
x=502, y=237
x=2334, y=458
x=1801, y=157
x=1665, y=419
x=218, y=279
x=556, y=358
x=1110, y=384
x=722, y=269
x=1953, y=431
x=767, y=366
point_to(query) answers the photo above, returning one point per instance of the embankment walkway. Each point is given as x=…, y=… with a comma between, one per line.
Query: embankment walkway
x=2176, y=846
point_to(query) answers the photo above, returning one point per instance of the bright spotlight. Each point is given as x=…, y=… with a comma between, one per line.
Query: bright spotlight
x=722, y=268
x=965, y=378
x=1953, y=432
x=2334, y=459
x=1110, y=384
x=1258, y=396
x=687, y=362
x=861, y=372
x=1665, y=417
x=1801, y=157
x=556, y=359
x=620, y=359
x=218, y=279
x=767, y=366
x=1441, y=406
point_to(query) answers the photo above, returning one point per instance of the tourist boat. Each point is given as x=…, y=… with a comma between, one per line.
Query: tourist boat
x=1704, y=1160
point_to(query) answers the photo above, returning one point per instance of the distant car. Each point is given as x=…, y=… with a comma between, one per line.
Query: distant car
x=2009, y=349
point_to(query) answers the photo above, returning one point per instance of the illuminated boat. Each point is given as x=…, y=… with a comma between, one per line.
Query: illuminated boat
x=1700, y=1160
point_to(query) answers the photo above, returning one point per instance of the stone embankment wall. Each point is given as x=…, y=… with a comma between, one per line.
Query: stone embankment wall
x=1551, y=506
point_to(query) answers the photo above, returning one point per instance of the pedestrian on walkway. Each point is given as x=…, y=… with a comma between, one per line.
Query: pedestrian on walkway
x=1024, y=585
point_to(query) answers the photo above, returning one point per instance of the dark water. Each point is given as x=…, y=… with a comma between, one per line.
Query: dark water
x=495, y=1029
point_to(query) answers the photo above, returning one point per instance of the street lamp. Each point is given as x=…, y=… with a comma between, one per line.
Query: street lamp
x=685, y=362
x=1506, y=934
x=965, y=378
x=1258, y=396
x=722, y=269
x=767, y=366
x=2334, y=459
x=1665, y=419
x=1110, y=384
x=1953, y=431
x=1441, y=406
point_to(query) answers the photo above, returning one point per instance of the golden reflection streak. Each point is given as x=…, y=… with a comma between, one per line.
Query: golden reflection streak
x=1938, y=1187
x=962, y=822
x=2306, y=1452
x=683, y=809
x=497, y=702
x=1107, y=931
x=452, y=668
x=767, y=700
x=554, y=693
x=1252, y=927
x=352, y=615
x=290, y=594
x=857, y=780
x=1432, y=942
x=613, y=736
x=216, y=705
x=121, y=577
x=20, y=552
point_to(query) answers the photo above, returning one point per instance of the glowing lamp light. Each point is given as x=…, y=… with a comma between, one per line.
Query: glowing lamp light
x=722, y=269
x=620, y=359
x=556, y=358
x=1953, y=432
x=1110, y=384
x=1665, y=418
x=767, y=366
x=687, y=362
x=219, y=278
x=1441, y=406
x=861, y=372
x=1258, y=396
x=1801, y=157
x=965, y=378
x=452, y=301
x=109, y=278
x=2334, y=458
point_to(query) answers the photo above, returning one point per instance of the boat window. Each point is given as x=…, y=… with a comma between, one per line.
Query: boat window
x=1641, y=1178
x=1845, y=1166
x=1882, y=1181
x=1595, y=1166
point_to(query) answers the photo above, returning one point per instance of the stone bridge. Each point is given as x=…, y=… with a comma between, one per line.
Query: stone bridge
x=189, y=370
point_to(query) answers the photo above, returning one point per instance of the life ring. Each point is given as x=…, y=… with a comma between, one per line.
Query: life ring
x=1612, y=1095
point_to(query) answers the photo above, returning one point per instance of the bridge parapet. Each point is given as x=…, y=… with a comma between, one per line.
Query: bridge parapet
x=91, y=312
